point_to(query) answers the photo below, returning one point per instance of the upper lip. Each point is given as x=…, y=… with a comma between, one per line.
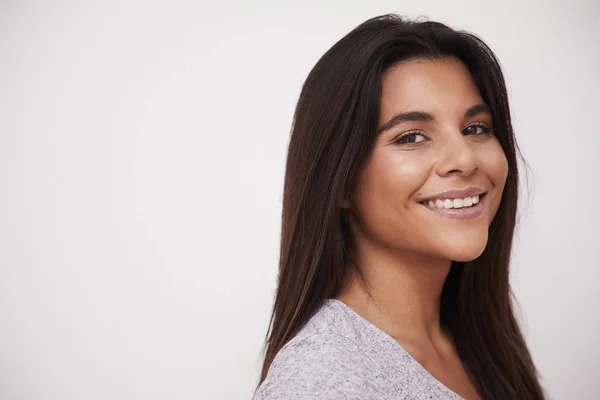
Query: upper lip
x=455, y=194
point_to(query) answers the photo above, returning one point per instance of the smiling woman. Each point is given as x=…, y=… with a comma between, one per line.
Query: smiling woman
x=399, y=209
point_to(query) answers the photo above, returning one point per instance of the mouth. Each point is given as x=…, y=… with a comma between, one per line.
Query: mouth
x=465, y=207
x=454, y=203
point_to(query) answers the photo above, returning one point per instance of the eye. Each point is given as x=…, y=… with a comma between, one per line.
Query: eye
x=477, y=129
x=410, y=138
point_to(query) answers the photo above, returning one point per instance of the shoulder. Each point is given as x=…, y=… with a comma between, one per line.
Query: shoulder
x=314, y=368
x=321, y=363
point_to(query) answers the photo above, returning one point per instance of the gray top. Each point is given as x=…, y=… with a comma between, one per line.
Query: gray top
x=340, y=355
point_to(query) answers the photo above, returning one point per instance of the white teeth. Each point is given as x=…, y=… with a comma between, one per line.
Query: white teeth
x=454, y=203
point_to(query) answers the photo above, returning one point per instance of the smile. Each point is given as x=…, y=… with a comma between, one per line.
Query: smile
x=465, y=207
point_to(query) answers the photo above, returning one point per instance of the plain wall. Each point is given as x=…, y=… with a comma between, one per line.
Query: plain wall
x=142, y=151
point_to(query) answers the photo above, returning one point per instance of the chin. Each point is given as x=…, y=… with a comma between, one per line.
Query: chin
x=465, y=250
x=467, y=256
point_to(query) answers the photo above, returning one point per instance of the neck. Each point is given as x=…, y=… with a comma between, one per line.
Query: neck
x=400, y=293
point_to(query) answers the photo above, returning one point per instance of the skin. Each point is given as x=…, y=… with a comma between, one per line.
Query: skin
x=403, y=249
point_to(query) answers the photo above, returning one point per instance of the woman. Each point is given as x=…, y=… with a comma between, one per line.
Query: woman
x=399, y=209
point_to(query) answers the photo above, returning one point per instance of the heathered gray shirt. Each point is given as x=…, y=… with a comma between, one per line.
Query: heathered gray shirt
x=340, y=355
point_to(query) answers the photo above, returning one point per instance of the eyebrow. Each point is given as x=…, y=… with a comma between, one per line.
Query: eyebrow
x=426, y=117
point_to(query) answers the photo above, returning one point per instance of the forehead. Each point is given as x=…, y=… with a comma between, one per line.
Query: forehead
x=436, y=86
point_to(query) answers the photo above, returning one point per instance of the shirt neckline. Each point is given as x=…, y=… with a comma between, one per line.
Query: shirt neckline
x=390, y=345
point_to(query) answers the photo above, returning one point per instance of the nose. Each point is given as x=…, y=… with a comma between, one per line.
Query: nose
x=457, y=157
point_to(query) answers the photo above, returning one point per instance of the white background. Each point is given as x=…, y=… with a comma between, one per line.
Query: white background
x=142, y=150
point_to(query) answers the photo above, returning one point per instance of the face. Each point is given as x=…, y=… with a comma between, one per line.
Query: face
x=436, y=135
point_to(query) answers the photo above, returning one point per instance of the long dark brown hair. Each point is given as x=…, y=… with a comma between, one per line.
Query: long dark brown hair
x=334, y=128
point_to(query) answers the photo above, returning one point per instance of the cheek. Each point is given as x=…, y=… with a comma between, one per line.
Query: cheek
x=494, y=163
x=495, y=166
x=396, y=176
x=384, y=198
